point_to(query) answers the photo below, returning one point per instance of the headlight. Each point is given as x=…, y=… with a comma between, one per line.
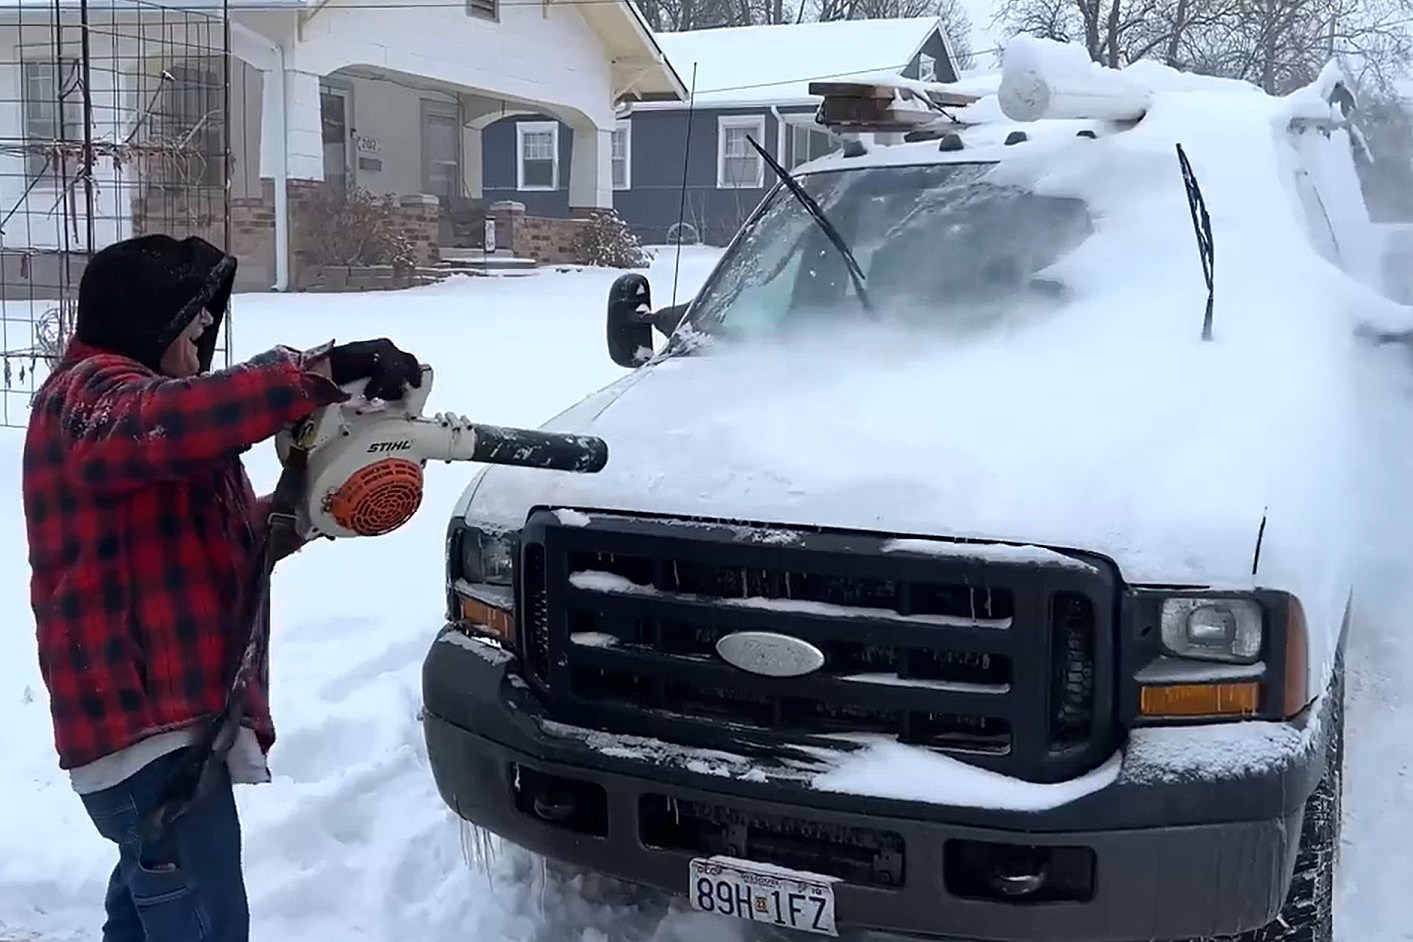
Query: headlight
x=488, y=556
x=1203, y=655
x=1212, y=629
x=480, y=567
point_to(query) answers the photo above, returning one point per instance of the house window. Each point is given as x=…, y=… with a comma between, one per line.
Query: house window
x=487, y=9
x=927, y=68
x=188, y=116
x=441, y=149
x=622, y=155
x=738, y=166
x=808, y=141
x=537, y=155
x=934, y=61
x=46, y=120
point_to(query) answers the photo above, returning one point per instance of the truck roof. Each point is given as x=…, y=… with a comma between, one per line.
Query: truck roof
x=985, y=143
x=1047, y=95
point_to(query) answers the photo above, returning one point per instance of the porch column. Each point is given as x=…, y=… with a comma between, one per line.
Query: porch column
x=305, y=139
x=591, y=168
x=472, y=173
x=291, y=107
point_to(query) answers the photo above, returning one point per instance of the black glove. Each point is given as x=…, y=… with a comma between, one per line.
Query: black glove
x=389, y=371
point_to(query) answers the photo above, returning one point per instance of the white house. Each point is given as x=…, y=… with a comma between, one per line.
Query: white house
x=391, y=95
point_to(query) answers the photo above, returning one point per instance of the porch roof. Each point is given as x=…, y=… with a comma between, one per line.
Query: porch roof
x=641, y=70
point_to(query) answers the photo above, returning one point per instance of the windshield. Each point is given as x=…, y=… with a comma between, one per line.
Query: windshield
x=938, y=244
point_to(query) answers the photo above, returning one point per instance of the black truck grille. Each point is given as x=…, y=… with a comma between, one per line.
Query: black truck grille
x=1001, y=660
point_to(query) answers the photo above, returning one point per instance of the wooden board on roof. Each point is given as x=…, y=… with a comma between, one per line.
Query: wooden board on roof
x=876, y=91
x=874, y=107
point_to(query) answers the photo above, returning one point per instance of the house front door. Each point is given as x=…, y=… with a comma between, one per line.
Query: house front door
x=334, y=115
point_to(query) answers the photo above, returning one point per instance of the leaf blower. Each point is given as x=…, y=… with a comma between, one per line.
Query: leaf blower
x=364, y=459
x=352, y=469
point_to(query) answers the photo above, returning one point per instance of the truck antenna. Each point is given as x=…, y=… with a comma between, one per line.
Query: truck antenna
x=682, y=200
x=1202, y=226
x=1260, y=535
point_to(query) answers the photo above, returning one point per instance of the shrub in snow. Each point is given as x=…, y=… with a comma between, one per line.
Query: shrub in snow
x=608, y=242
x=351, y=226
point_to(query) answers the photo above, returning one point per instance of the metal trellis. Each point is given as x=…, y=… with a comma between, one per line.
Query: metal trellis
x=114, y=121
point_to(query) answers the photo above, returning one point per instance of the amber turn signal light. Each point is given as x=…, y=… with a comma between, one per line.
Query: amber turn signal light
x=493, y=621
x=1196, y=700
x=1296, y=689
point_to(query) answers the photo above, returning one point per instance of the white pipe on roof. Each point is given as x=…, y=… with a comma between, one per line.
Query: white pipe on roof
x=779, y=134
x=277, y=103
x=1043, y=79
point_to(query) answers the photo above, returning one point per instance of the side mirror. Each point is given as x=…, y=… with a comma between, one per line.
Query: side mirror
x=630, y=328
x=631, y=320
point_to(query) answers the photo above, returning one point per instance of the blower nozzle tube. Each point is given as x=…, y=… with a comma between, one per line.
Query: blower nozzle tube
x=528, y=448
x=452, y=438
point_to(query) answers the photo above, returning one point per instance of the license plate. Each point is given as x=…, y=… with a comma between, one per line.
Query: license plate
x=763, y=893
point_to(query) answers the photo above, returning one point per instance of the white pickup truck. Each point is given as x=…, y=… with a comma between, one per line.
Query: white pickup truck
x=967, y=564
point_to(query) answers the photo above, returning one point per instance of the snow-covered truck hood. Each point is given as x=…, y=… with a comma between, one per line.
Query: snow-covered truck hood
x=934, y=443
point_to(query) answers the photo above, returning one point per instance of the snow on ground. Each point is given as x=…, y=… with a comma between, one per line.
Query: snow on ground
x=351, y=840
x=1377, y=859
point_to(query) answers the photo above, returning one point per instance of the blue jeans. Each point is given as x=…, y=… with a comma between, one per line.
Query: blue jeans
x=185, y=887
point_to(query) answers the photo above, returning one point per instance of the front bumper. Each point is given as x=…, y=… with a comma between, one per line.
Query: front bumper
x=1192, y=838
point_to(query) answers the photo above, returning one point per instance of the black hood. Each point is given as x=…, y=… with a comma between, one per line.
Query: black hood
x=137, y=295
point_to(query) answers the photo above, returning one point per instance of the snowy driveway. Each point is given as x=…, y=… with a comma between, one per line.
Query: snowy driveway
x=351, y=840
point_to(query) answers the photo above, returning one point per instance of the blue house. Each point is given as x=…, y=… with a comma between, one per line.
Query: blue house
x=745, y=80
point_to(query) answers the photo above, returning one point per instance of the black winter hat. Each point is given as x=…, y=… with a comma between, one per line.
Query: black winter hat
x=137, y=295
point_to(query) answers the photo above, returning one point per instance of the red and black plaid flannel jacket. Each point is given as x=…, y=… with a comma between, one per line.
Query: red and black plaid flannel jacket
x=143, y=532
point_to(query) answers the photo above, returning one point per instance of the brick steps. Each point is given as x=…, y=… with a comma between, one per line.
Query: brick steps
x=471, y=261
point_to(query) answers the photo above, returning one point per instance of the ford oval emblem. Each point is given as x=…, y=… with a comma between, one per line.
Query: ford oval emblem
x=769, y=654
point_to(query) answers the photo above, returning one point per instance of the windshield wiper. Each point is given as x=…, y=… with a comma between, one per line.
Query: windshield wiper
x=855, y=272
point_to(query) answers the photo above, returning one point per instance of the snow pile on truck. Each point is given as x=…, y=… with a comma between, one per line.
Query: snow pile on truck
x=1106, y=423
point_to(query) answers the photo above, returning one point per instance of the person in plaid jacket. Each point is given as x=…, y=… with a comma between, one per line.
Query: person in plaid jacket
x=144, y=534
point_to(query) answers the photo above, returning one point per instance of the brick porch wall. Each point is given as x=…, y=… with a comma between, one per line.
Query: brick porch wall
x=253, y=229
x=546, y=239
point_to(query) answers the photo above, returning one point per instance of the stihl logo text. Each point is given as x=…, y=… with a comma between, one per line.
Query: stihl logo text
x=389, y=446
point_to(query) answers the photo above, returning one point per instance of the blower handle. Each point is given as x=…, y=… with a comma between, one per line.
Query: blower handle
x=455, y=438
x=528, y=448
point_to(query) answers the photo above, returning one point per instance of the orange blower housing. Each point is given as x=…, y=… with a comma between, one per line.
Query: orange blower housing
x=377, y=498
x=366, y=458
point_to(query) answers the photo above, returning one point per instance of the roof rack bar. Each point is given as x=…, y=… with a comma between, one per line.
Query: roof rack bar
x=883, y=107
x=906, y=88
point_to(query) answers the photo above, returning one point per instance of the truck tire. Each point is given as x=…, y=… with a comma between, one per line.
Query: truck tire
x=1308, y=913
